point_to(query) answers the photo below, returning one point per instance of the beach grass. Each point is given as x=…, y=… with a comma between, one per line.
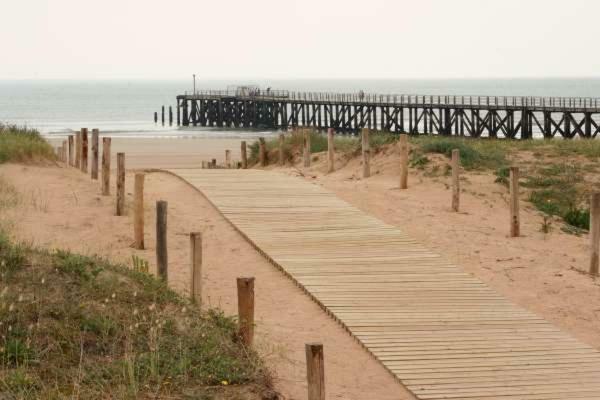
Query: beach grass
x=24, y=145
x=74, y=326
x=294, y=142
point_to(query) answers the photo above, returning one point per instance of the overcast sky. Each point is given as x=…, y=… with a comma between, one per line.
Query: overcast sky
x=84, y=39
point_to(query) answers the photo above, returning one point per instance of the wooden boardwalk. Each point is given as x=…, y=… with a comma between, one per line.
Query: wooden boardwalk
x=442, y=332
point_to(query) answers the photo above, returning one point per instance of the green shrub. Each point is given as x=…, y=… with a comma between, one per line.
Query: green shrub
x=23, y=145
x=474, y=154
x=579, y=218
x=469, y=157
x=502, y=175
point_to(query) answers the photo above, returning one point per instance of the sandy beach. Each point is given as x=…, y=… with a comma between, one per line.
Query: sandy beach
x=170, y=152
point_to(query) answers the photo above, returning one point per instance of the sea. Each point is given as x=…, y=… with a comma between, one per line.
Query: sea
x=126, y=107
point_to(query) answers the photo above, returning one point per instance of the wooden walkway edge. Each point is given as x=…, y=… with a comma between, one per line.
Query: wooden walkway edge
x=439, y=330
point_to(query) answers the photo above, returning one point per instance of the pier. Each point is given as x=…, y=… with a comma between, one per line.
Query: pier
x=469, y=116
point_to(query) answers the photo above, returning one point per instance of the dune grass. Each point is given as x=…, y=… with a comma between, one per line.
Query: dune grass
x=294, y=142
x=79, y=327
x=24, y=145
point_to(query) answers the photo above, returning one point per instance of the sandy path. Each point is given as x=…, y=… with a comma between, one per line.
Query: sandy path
x=62, y=208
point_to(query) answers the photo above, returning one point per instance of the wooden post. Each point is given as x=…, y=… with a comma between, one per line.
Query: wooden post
x=95, y=139
x=162, y=118
x=228, y=158
x=262, y=152
x=403, y=161
x=281, y=152
x=155, y=117
x=455, y=179
x=106, y=166
x=315, y=371
x=306, y=137
x=161, y=240
x=515, y=224
x=595, y=233
x=330, y=151
x=245, y=288
x=170, y=115
x=120, y=184
x=63, y=154
x=138, y=212
x=196, y=267
x=214, y=163
x=366, y=153
x=84, y=150
x=71, y=151
x=78, y=150
x=244, y=155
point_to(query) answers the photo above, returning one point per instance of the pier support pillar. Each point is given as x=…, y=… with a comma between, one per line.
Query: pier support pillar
x=186, y=120
x=588, y=125
x=567, y=125
x=447, y=122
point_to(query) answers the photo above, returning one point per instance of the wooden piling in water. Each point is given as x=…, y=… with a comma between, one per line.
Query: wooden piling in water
x=455, y=179
x=315, y=371
x=595, y=234
x=120, y=184
x=106, y=166
x=281, y=160
x=84, y=150
x=95, y=139
x=138, y=212
x=214, y=163
x=515, y=222
x=162, y=115
x=366, y=153
x=262, y=152
x=306, y=147
x=403, y=161
x=161, y=240
x=170, y=115
x=71, y=151
x=330, y=150
x=227, y=158
x=245, y=290
x=244, y=155
x=196, y=267
x=155, y=117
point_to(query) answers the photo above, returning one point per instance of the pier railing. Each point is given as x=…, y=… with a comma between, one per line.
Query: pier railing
x=407, y=99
